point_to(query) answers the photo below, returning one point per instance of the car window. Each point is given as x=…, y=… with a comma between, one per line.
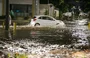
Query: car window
x=49, y=18
x=43, y=18
x=40, y=18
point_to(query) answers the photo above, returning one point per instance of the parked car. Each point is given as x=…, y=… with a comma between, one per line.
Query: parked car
x=46, y=21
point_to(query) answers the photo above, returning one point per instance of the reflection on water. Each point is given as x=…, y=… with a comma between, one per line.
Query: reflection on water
x=8, y=35
x=49, y=36
x=74, y=36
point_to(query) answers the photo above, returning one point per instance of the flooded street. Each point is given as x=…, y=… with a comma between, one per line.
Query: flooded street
x=47, y=42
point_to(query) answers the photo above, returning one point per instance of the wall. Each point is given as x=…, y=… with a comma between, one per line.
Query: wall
x=49, y=7
x=43, y=8
x=20, y=1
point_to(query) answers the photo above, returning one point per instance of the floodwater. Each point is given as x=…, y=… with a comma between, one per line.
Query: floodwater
x=42, y=41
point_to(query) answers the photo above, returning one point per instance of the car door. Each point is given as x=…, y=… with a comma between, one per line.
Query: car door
x=51, y=21
x=42, y=20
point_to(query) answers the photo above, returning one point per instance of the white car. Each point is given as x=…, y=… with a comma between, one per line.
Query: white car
x=46, y=21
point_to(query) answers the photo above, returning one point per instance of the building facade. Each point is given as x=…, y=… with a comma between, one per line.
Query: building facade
x=47, y=9
x=21, y=7
x=26, y=8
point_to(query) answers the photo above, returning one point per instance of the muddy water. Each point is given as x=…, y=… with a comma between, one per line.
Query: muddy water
x=40, y=41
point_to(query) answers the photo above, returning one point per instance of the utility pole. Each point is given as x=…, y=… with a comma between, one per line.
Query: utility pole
x=7, y=16
x=3, y=7
x=35, y=7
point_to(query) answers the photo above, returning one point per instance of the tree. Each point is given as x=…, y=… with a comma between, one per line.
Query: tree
x=61, y=5
x=66, y=5
x=86, y=6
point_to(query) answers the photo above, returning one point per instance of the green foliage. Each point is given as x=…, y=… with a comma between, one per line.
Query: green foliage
x=46, y=12
x=61, y=5
x=77, y=0
x=61, y=2
x=65, y=5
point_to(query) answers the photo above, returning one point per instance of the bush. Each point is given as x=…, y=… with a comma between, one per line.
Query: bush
x=46, y=12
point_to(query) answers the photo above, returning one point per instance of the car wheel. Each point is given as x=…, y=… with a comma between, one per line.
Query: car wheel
x=37, y=25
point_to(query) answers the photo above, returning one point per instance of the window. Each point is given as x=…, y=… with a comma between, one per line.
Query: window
x=49, y=18
x=43, y=18
x=40, y=18
x=21, y=9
